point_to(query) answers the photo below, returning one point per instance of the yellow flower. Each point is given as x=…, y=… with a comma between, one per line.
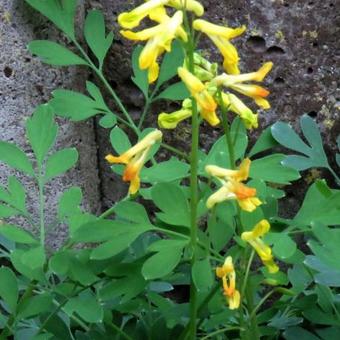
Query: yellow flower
x=135, y=158
x=232, y=188
x=205, y=101
x=220, y=36
x=254, y=239
x=170, y=120
x=190, y=5
x=236, y=105
x=239, y=175
x=236, y=82
x=228, y=276
x=133, y=18
x=159, y=40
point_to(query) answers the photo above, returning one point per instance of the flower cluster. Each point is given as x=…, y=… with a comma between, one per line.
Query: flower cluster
x=208, y=90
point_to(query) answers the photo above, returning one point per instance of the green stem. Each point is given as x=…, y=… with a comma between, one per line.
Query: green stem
x=193, y=188
x=220, y=331
x=226, y=129
x=246, y=275
x=99, y=73
x=337, y=179
x=119, y=331
x=176, y=151
x=262, y=301
x=41, y=208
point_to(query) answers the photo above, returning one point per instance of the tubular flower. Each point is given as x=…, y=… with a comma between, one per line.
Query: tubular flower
x=236, y=105
x=254, y=239
x=135, y=158
x=236, y=82
x=159, y=40
x=133, y=18
x=205, y=101
x=232, y=188
x=170, y=120
x=228, y=276
x=220, y=36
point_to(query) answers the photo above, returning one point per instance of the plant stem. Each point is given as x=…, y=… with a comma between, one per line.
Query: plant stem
x=262, y=301
x=119, y=331
x=176, y=151
x=223, y=330
x=337, y=179
x=41, y=208
x=193, y=186
x=108, y=87
x=226, y=129
x=246, y=275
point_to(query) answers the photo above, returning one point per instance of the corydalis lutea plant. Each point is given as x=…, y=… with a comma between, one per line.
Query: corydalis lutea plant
x=119, y=283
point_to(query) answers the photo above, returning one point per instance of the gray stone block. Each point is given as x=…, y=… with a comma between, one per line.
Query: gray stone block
x=25, y=83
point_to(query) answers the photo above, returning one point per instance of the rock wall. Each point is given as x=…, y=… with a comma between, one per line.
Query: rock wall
x=26, y=83
x=299, y=36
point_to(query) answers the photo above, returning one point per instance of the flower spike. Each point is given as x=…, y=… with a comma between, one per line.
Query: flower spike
x=135, y=158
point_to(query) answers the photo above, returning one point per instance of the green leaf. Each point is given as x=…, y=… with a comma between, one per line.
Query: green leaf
x=41, y=131
x=60, y=12
x=115, y=246
x=271, y=169
x=177, y=91
x=140, y=77
x=294, y=333
x=284, y=247
x=171, y=199
x=108, y=121
x=34, y=258
x=69, y=202
x=16, y=195
x=6, y=211
x=263, y=143
x=34, y=306
x=167, y=171
x=317, y=207
x=17, y=234
x=171, y=62
x=104, y=230
x=9, y=290
x=95, y=35
x=202, y=275
x=132, y=211
x=54, y=54
x=219, y=152
x=15, y=158
x=162, y=263
x=86, y=306
x=60, y=162
x=119, y=140
x=313, y=154
x=75, y=105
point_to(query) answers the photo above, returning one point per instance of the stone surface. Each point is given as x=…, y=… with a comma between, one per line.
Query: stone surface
x=26, y=83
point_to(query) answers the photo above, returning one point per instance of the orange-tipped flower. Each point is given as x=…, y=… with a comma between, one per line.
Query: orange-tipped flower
x=228, y=276
x=236, y=82
x=135, y=158
x=232, y=188
x=254, y=239
x=205, y=101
